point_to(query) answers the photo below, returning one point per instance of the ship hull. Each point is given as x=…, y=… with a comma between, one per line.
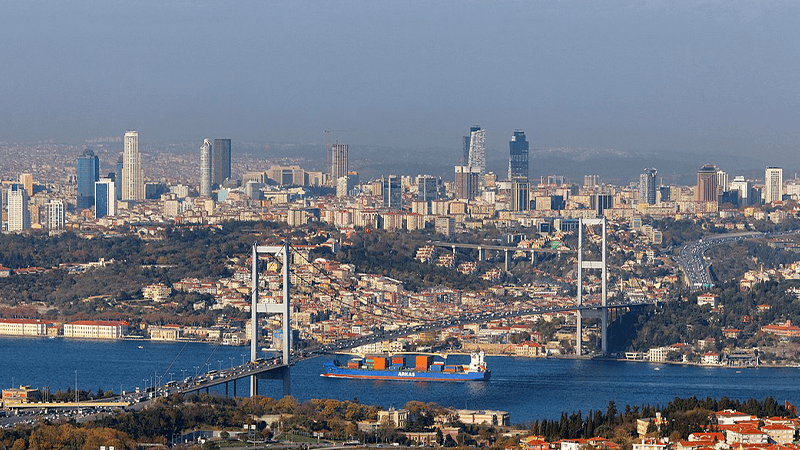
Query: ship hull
x=333, y=371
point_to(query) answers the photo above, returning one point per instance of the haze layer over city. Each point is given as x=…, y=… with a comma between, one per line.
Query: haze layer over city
x=616, y=85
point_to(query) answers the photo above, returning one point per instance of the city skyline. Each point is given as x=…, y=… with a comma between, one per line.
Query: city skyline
x=710, y=78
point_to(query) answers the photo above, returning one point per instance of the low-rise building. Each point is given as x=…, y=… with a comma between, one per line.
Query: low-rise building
x=24, y=327
x=95, y=329
x=477, y=417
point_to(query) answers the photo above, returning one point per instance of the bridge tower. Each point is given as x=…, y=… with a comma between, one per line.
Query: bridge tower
x=282, y=308
x=583, y=264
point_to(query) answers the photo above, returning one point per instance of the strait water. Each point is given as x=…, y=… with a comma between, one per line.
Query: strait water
x=527, y=388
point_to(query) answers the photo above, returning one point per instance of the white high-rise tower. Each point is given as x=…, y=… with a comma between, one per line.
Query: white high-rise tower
x=19, y=217
x=132, y=172
x=773, y=184
x=205, y=168
x=477, y=150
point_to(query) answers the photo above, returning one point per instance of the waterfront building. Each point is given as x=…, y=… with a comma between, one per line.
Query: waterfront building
x=95, y=329
x=24, y=327
x=773, y=184
x=88, y=173
x=647, y=186
x=221, y=161
x=707, y=184
x=55, y=215
x=132, y=172
x=518, y=157
x=339, y=162
x=205, y=168
x=105, y=202
x=19, y=216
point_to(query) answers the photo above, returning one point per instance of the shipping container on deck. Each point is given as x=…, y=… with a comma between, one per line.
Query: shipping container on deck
x=398, y=360
x=380, y=363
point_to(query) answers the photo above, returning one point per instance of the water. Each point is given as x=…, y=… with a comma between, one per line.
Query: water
x=527, y=388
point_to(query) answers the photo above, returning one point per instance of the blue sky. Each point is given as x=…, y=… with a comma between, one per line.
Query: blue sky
x=671, y=76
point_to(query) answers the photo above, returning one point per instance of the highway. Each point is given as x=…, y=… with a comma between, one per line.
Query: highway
x=696, y=267
x=693, y=262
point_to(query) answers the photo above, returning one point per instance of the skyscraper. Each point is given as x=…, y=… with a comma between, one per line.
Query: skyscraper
x=55, y=215
x=105, y=201
x=19, y=216
x=205, y=168
x=467, y=183
x=647, y=186
x=118, y=179
x=26, y=180
x=339, y=162
x=88, y=173
x=773, y=184
x=707, y=183
x=392, y=192
x=466, y=143
x=743, y=187
x=477, y=150
x=132, y=172
x=518, y=158
x=427, y=188
x=520, y=195
x=221, y=161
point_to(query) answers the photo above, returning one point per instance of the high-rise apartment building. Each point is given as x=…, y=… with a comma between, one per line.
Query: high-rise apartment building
x=88, y=173
x=467, y=184
x=773, y=184
x=647, y=186
x=707, y=184
x=722, y=180
x=427, y=188
x=518, y=158
x=132, y=172
x=19, y=216
x=205, y=168
x=55, y=215
x=591, y=181
x=520, y=195
x=339, y=162
x=743, y=187
x=221, y=161
x=118, y=178
x=105, y=201
x=26, y=180
x=392, y=192
x=477, y=150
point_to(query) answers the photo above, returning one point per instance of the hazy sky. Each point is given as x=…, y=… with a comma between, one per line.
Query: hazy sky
x=707, y=76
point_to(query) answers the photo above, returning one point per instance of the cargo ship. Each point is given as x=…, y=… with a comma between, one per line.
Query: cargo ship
x=418, y=368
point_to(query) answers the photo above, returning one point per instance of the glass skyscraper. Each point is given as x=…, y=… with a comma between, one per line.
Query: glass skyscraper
x=221, y=161
x=518, y=158
x=647, y=186
x=88, y=173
